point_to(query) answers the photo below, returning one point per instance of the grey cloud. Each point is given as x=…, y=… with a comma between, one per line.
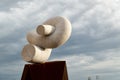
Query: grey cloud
x=88, y=45
x=5, y=5
x=13, y=66
x=92, y=34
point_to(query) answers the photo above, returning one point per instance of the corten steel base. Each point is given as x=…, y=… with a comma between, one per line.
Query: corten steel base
x=55, y=70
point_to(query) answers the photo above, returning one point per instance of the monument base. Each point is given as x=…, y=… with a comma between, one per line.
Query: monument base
x=55, y=70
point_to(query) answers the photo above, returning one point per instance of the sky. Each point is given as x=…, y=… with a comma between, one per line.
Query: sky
x=92, y=50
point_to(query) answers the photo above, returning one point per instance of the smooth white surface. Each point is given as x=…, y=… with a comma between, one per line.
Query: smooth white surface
x=35, y=54
x=45, y=30
x=57, y=38
x=52, y=33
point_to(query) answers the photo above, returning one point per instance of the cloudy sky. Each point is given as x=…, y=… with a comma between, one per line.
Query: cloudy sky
x=93, y=48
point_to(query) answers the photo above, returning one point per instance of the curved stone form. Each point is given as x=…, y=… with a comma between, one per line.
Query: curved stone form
x=51, y=34
x=59, y=31
x=32, y=53
x=45, y=30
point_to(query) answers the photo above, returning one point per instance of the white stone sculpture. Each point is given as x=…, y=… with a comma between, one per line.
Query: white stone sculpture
x=52, y=33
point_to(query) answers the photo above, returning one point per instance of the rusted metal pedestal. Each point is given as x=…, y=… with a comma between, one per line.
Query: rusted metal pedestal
x=55, y=70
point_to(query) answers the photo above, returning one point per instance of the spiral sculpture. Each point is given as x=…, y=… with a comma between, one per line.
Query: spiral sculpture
x=51, y=34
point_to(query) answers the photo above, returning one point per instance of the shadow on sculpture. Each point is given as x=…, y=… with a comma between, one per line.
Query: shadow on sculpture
x=51, y=34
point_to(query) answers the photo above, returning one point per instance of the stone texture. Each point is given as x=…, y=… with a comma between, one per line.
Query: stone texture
x=53, y=33
x=60, y=35
x=34, y=54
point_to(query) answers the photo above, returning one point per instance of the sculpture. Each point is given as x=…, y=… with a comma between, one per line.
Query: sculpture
x=51, y=34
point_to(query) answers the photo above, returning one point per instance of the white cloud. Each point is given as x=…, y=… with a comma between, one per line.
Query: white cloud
x=86, y=65
x=101, y=19
x=94, y=44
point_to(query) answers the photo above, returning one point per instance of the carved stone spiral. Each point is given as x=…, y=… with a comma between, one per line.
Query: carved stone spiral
x=52, y=33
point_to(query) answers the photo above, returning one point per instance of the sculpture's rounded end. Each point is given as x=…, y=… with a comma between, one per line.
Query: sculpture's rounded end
x=28, y=52
x=45, y=30
x=34, y=54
